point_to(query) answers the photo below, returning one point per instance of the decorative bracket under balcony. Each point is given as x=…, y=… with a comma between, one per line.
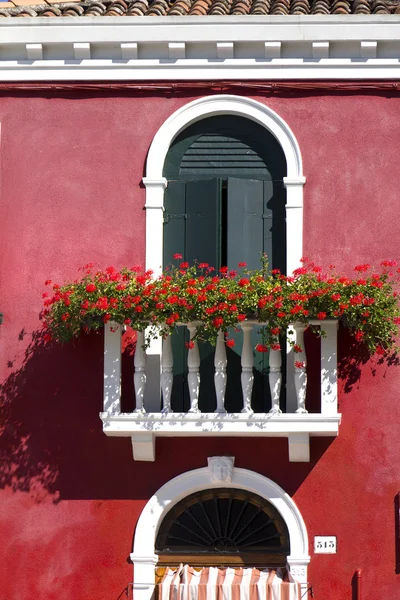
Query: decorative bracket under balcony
x=298, y=426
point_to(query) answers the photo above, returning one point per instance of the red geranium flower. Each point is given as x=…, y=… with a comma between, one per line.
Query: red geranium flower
x=244, y=282
x=261, y=348
x=90, y=288
x=218, y=321
x=362, y=268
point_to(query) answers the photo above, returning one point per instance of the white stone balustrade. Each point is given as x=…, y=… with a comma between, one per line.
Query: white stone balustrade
x=298, y=426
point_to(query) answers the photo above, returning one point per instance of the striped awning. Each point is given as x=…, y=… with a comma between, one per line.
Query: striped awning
x=213, y=583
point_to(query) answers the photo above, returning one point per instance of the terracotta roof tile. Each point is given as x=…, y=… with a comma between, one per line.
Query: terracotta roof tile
x=180, y=8
x=200, y=7
x=241, y=7
x=155, y=8
x=300, y=7
x=361, y=7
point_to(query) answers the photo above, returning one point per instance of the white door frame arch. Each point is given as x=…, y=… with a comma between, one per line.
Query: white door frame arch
x=143, y=555
x=210, y=106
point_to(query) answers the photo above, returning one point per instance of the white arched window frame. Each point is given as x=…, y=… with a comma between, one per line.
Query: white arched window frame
x=156, y=184
x=143, y=556
x=210, y=106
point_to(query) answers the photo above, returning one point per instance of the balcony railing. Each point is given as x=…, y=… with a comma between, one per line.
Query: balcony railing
x=297, y=424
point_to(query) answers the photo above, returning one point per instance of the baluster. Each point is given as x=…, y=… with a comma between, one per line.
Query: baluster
x=300, y=375
x=194, y=371
x=112, y=368
x=275, y=379
x=329, y=395
x=220, y=363
x=167, y=363
x=247, y=377
x=139, y=377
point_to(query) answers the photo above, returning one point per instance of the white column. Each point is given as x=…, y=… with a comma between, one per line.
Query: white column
x=112, y=368
x=247, y=377
x=167, y=364
x=194, y=371
x=154, y=250
x=143, y=580
x=294, y=252
x=139, y=377
x=220, y=363
x=294, y=221
x=154, y=222
x=300, y=375
x=329, y=394
x=275, y=379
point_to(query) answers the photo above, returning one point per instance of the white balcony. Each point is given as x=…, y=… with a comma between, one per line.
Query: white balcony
x=144, y=426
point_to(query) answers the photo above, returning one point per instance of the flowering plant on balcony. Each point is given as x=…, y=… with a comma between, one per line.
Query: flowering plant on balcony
x=366, y=304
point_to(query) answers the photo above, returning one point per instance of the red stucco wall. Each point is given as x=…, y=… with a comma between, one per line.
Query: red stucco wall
x=70, y=193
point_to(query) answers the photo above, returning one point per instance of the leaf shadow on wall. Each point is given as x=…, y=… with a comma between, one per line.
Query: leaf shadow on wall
x=353, y=356
x=51, y=438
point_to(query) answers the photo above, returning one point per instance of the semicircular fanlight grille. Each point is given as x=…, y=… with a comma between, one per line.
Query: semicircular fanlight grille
x=223, y=521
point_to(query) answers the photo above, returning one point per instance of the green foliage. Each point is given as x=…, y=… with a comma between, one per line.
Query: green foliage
x=367, y=304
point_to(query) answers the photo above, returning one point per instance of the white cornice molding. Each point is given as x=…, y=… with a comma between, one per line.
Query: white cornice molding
x=189, y=48
x=285, y=28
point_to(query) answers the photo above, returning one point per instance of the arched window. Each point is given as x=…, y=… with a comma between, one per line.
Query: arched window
x=225, y=200
x=224, y=204
x=223, y=526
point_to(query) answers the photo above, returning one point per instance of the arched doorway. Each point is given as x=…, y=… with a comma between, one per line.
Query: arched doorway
x=144, y=556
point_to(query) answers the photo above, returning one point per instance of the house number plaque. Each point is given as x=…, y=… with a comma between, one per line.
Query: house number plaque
x=325, y=544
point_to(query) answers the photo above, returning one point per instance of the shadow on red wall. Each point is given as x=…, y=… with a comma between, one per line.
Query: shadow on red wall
x=51, y=439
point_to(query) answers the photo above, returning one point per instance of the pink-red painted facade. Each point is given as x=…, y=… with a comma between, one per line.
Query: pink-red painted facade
x=71, y=170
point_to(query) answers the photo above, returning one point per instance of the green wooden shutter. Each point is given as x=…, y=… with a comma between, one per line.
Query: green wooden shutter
x=174, y=220
x=192, y=227
x=192, y=221
x=249, y=233
x=249, y=222
x=203, y=223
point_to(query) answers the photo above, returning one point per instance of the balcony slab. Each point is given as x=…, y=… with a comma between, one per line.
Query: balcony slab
x=144, y=428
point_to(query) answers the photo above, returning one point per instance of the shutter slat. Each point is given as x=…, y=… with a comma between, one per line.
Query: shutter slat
x=210, y=154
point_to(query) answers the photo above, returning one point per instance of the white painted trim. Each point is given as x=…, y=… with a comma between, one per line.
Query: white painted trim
x=200, y=48
x=143, y=555
x=220, y=424
x=296, y=427
x=310, y=28
x=348, y=69
x=222, y=105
